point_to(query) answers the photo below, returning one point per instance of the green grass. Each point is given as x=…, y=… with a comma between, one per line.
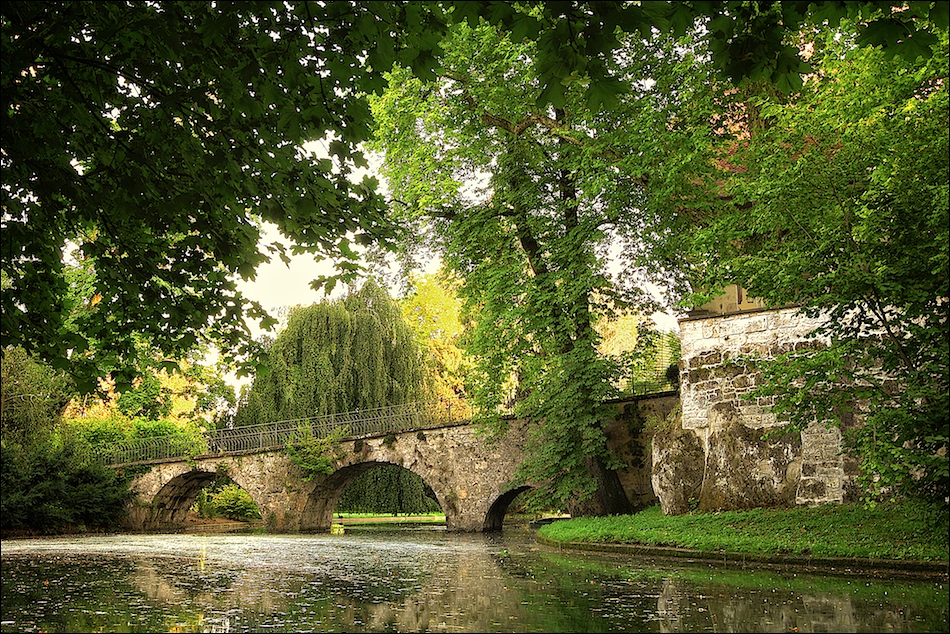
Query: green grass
x=370, y=515
x=905, y=531
x=353, y=519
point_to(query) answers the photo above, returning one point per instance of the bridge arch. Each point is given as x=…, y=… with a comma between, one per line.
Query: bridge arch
x=163, y=496
x=323, y=499
x=171, y=503
x=452, y=461
x=496, y=512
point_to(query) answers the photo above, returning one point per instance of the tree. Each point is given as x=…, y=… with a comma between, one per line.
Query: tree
x=840, y=205
x=48, y=476
x=146, y=399
x=432, y=309
x=159, y=403
x=561, y=177
x=388, y=489
x=529, y=245
x=32, y=397
x=337, y=356
x=154, y=137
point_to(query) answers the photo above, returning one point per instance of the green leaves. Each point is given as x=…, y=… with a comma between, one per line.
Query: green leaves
x=316, y=454
x=184, y=124
x=155, y=135
x=337, y=356
x=840, y=208
x=898, y=35
x=33, y=396
x=604, y=94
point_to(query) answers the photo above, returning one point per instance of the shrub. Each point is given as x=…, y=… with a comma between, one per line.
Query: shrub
x=51, y=486
x=234, y=503
x=315, y=455
x=100, y=430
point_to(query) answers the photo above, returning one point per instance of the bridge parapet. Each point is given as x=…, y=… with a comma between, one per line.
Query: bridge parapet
x=380, y=420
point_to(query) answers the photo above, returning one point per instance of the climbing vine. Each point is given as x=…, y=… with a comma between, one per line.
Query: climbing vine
x=315, y=454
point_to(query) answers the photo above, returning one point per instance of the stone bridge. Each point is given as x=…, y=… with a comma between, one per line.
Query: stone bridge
x=469, y=476
x=712, y=451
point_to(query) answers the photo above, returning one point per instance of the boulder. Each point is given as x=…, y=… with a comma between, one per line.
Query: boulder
x=679, y=463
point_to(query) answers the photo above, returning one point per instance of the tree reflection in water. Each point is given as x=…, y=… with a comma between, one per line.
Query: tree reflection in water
x=386, y=579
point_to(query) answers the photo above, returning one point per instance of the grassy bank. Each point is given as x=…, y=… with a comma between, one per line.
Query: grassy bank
x=392, y=518
x=905, y=531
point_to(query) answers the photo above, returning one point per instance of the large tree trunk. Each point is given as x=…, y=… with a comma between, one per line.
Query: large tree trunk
x=609, y=499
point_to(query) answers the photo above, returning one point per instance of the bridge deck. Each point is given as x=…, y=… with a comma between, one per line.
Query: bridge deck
x=250, y=438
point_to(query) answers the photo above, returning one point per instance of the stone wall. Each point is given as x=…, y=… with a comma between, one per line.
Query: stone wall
x=719, y=454
x=629, y=437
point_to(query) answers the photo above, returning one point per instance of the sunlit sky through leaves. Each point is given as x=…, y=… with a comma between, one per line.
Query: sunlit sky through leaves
x=279, y=286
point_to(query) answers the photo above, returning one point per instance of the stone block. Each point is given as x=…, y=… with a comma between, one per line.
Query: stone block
x=744, y=469
x=678, y=461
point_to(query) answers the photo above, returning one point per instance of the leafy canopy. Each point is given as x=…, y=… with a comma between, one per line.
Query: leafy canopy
x=841, y=207
x=150, y=139
x=145, y=143
x=337, y=356
x=529, y=239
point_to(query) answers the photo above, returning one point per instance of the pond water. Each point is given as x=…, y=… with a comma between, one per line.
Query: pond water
x=387, y=579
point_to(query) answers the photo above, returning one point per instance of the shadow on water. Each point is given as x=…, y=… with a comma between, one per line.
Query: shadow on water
x=419, y=577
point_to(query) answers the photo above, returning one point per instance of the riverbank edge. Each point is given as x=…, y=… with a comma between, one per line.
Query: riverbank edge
x=848, y=566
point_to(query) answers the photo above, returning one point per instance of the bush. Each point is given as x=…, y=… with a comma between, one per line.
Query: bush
x=234, y=503
x=315, y=454
x=182, y=441
x=95, y=431
x=49, y=487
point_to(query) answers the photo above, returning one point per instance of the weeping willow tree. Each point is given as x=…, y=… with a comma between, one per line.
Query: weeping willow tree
x=388, y=489
x=338, y=356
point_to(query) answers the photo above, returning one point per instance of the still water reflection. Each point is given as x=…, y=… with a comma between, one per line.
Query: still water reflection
x=412, y=580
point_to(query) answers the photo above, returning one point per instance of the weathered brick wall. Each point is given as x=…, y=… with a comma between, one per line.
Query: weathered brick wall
x=708, y=344
x=740, y=464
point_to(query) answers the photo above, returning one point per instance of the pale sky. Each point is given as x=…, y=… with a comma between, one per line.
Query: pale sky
x=278, y=285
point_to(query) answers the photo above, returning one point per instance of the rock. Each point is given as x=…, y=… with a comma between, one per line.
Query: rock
x=679, y=463
x=746, y=468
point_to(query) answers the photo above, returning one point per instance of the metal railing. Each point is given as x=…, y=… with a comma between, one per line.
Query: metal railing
x=249, y=438
x=645, y=383
x=655, y=369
